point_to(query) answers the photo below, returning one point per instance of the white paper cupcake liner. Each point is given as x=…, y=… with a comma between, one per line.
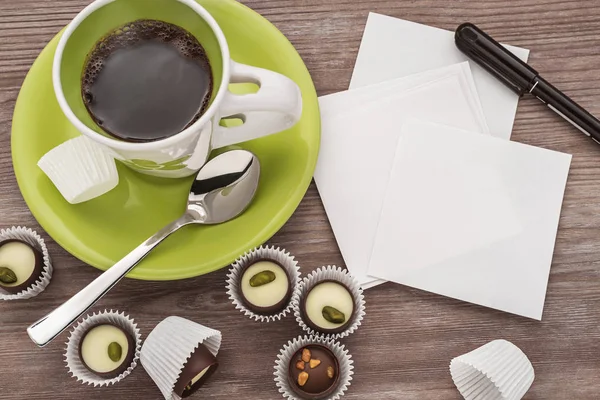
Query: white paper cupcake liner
x=498, y=370
x=270, y=253
x=332, y=273
x=28, y=236
x=168, y=347
x=285, y=355
x=81, y=169
x=74, y=363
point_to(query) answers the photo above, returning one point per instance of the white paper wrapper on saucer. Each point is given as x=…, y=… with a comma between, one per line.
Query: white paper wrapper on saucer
x=498, y=370
x=285, y=355
x=74, y=363
x=168, y=347
x=81, y=169
x=29, y=236
x=332, y=273
x=284, y=259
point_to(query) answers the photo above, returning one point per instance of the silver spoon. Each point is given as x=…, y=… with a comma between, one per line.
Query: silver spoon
x=222, y=190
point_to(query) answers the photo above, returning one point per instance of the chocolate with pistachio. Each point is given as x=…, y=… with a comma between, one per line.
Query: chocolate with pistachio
x=21, y=265
x=328, y=307
x=265, y=287
x=106, y=350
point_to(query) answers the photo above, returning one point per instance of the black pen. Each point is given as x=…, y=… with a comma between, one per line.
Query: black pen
x=521, y=78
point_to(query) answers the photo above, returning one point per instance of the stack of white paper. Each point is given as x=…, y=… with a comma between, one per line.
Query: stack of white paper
x=417, y=188
x=471, y=217
x=358, y=144
x=392, y=48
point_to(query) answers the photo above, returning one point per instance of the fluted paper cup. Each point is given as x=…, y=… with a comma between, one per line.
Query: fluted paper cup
x=28, y=236
x=168, y=347
x=332, y=273
x=281, y=257
x=285, y=355
x=74, y=363
x=81, y=169
x=498, y=370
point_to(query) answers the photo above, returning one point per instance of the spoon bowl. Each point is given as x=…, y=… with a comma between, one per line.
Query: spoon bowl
x=224, y=187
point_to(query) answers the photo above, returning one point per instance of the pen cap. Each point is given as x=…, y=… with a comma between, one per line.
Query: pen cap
x=495, y=58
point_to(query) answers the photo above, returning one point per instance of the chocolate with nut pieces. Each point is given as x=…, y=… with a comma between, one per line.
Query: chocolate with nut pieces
x=314, y=372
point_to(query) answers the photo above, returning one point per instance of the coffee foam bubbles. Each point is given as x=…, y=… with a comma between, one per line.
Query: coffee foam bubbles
x=132, y=33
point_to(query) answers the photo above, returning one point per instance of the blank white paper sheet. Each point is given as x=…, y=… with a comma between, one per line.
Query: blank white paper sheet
x=393, y=48
x=471, y=217
x=358, y=145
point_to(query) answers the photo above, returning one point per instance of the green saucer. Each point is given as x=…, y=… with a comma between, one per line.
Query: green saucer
x=103, y=230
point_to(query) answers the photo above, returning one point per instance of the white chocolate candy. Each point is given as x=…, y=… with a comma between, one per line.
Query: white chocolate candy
x=330, y=294
x=18, y=257
x=269, y=294
x=94, y=348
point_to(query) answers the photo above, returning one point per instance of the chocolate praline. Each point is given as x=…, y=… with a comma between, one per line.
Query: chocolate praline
x=100, y=337
x=198, y=368
x=16, y=266
x=332, y=294
x=274, y=295
x=320, y=379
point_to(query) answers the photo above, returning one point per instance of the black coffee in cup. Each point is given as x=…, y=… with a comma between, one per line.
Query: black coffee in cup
x=146, y=81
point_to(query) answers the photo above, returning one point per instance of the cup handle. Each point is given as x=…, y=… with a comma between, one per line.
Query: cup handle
x=276, y=106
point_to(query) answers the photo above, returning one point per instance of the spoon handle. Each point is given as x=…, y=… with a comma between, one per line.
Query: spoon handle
x=49, y=327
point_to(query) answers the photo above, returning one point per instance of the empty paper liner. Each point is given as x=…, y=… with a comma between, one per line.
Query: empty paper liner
x=498, y=370
x=81, y=169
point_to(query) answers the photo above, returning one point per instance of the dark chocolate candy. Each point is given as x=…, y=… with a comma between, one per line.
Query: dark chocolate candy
x=200, y=360
x=35, y=274
x=126, y=361
x=275, y=308
x=322, y=380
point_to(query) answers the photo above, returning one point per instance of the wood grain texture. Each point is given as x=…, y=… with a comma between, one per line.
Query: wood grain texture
x=408, y=338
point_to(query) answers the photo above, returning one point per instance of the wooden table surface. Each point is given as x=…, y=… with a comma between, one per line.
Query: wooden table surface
x=409, y=337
